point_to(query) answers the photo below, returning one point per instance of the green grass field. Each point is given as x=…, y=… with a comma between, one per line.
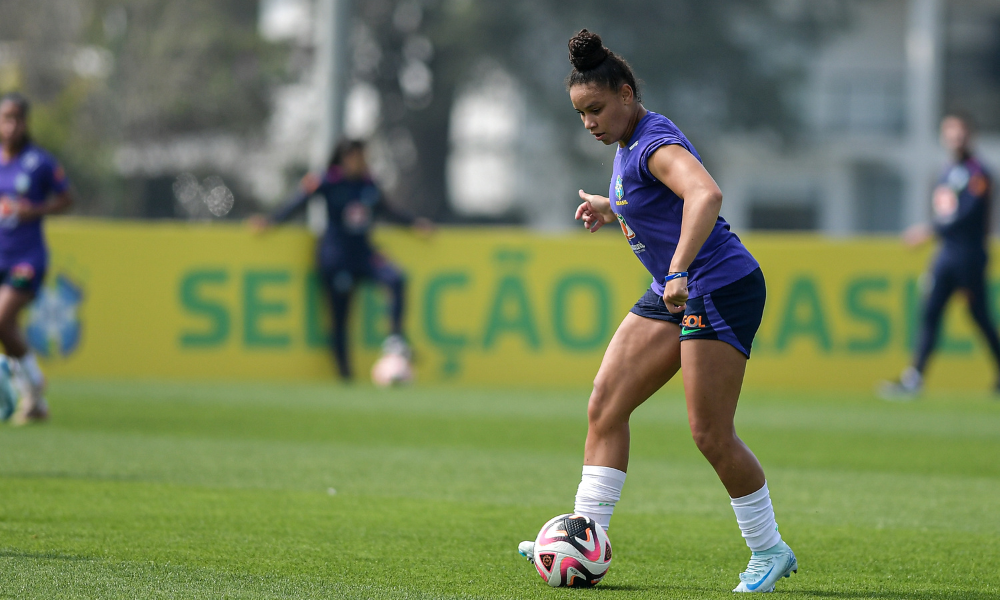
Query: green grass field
x=317, y=491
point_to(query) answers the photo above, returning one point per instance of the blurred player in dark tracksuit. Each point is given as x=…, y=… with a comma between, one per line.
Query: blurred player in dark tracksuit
x=962, y=209
x=32, y=186
x=345, y=252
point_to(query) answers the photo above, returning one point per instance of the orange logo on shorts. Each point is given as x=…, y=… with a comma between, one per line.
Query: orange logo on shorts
x=22, y=273
x=693, y=322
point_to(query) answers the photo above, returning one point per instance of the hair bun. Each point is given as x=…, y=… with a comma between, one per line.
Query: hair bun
x=586, y=50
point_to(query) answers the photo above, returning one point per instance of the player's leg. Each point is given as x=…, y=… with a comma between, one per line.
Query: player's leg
x=976, y=293
x=943, y=285
x=642, y=356
x=340, y=289
x=716, y=340
x=713, y=377
x=390, y=276
x=12, y=301
x=32, y=405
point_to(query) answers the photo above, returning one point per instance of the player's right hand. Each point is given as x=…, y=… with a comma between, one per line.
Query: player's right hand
x=918, y=235
x=258, y=224
x=595, y=211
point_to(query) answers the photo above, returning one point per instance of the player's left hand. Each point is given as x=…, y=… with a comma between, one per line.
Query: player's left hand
x=675, y=294
x=25, y=211
x=917, y=235
x=423, y=226
x=258, y=224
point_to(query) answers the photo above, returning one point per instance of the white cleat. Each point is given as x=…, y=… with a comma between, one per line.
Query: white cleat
x=527, y=550
x=766, y=568
x=31, y=406
x=905, y=389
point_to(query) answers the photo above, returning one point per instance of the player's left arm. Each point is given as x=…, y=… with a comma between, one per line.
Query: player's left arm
x=392, y=214
x=980, y=190
x=57, y=203
x=59, y=200
x=684, y=174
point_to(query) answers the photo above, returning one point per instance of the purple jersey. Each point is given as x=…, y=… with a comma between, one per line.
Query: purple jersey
x=650, y=215
x=31, y=176
x=962, y=206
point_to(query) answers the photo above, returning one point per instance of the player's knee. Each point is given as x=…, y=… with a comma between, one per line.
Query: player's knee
x=8, y=327
x=601, y=413
x=712, y=441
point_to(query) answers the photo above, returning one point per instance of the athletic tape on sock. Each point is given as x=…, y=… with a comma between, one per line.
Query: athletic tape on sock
x=600, y=489
x=755, y=516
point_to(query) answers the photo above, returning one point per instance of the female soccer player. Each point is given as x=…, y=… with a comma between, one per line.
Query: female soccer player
x=32, y=185
x=961, y=206
x=702, y=310
x=346, y=254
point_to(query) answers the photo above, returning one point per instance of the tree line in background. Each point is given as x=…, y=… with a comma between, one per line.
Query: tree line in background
x=103, y=73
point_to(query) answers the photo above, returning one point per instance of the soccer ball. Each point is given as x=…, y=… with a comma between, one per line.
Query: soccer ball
x=392, y=369
x=572, y=551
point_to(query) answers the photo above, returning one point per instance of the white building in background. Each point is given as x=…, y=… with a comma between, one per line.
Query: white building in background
x=865, y=163
x=502, y=160
x=482, y=165
x=872, y=103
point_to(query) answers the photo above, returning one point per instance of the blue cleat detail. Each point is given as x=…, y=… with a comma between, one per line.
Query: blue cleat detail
x=527, y=550
x=767, y=567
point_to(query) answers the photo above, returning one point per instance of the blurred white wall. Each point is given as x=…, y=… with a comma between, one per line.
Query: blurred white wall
x=871, y=103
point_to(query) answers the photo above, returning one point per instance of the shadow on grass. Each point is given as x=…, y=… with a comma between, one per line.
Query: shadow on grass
x=691, y=591
x=70, y=476
x=901, y=595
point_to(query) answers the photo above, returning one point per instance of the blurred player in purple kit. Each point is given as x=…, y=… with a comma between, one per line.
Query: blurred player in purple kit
x=346, y=254
x=962, y=209
x=32, y=186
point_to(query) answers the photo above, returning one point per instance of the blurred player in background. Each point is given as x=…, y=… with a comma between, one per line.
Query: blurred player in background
x=702, y=310
x=32, y=185
x=346, y=255
x=962, y=212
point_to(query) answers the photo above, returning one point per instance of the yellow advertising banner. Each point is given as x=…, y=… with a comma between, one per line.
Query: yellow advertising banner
x=485, y=307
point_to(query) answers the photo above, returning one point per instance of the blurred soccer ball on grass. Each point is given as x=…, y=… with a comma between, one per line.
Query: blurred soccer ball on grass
x=392, y=370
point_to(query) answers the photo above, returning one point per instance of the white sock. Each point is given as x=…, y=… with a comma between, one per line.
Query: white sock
x=600, y=488
x=911, y=379
x=756, y=519
x=31, y=369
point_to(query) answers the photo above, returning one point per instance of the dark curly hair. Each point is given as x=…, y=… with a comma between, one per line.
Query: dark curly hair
x=343, y=148
x=23, y=106
x=595, y=63
x=19, y=101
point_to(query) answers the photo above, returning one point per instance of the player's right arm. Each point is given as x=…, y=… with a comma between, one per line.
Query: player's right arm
x=595, y=211
x=308, y=187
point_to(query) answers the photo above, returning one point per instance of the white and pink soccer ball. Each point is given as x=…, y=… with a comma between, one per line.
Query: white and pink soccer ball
x=572, y=551
x=392, y=369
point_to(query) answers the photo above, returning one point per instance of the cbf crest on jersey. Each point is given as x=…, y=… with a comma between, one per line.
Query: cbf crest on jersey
x=619, y=190
x=22, y=183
